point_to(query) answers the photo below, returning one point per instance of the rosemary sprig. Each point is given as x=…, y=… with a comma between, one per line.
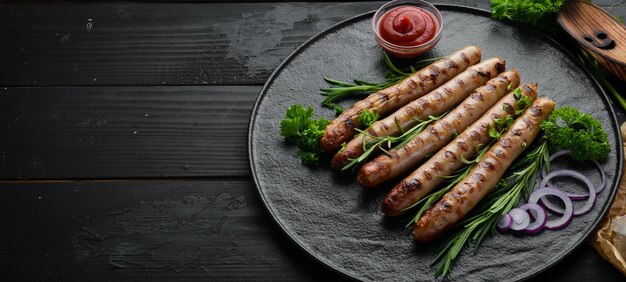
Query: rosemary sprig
x=379, y=143
x=427, y=202
x=506, y=195
x=340, y=89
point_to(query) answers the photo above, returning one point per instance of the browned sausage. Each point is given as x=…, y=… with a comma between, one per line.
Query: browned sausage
x=455, y=204
x=435, y=103
x=390, y=99
x=438, y=134
x=448, y=160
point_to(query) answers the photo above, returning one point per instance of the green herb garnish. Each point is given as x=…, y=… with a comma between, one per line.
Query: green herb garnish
x=299, y=127
x=340, y=89
x=534, y=12
x=387, y=142
x=567, y=128
x=367, y=118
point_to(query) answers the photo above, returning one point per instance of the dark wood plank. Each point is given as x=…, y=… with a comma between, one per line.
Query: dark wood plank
x=143, y=231
x=187, y=230
x=157, y=44
x=165, y=44
x=109, y=132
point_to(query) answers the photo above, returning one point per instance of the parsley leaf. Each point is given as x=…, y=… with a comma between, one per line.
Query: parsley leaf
x=534, y=12
x=567, y=128
x=299, y=128
x=367, y=117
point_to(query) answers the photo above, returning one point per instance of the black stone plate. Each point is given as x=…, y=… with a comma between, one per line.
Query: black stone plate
x=331, y=218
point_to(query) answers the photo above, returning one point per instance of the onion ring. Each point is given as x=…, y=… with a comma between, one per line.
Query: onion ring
x=537, y=212
x=567, y=216
x=505, y=223
x=577, y=196
x=591, y=197
x=521, y=219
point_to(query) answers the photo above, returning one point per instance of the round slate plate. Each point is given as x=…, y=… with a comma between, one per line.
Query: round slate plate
x=331, y=218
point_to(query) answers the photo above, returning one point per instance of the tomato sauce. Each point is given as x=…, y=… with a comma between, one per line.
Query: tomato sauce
x=407, y=26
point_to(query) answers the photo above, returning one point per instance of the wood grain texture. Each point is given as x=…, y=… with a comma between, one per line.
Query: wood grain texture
x=165, y=44
x=139, y=230
x=144, y=231
x=127, y=132
x=164, y=231
x=161, y=44
x=602, y=36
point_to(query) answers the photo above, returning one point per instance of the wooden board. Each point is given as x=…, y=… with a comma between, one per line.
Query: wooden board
x=126, y=44
x=149, y=228
x=124, y=132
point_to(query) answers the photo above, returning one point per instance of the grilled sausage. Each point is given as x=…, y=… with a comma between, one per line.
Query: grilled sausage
x=439, y=133
x=432, y=104
x=455, y=204
x=390, y=99
x=448, y=160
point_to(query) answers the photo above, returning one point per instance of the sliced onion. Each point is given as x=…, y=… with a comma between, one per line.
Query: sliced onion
x=603, y=174
x=568, y=172
x=577, y=197
x=591, y=197
x=566, y=218
x=521, y=219
x=540, y=216
x=505, y=223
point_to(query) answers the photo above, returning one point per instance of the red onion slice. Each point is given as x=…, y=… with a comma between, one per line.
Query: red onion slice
x=540, y=216
x=566, y=218
x=591, y=197
x=521, y=219
x=576, y=196
x=574, y=174
x=603, y=174
x=505, y=223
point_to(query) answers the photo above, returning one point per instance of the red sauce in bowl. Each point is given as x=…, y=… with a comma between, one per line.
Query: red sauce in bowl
x=407, y=26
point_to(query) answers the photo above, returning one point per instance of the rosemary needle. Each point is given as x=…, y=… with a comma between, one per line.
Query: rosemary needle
x=386, y=142
x=341, y=89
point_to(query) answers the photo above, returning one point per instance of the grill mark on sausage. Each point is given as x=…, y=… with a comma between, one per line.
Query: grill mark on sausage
x=463, y=146
x=501, y=67
x=427, y=175
x=459, y=82
x=450, y=156
x=450, y=64
x=466, y=60
x=479, y=96
x=509, y=108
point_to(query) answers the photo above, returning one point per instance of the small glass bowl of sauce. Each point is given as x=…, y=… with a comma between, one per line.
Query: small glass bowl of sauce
x=407, y=28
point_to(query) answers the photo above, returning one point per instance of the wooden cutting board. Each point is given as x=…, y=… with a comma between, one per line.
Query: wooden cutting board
x=598, y=33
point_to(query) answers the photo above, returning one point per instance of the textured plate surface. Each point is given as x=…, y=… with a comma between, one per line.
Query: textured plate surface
x=335, y=221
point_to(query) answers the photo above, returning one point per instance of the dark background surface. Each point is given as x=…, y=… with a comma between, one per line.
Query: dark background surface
x=123, y=141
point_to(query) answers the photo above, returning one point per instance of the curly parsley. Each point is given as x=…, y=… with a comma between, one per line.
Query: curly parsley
x=567, y=128
x=299, y=127
x=534, y=12
x=367, y=117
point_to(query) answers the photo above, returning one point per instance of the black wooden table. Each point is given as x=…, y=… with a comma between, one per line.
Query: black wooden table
x=123, y=131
